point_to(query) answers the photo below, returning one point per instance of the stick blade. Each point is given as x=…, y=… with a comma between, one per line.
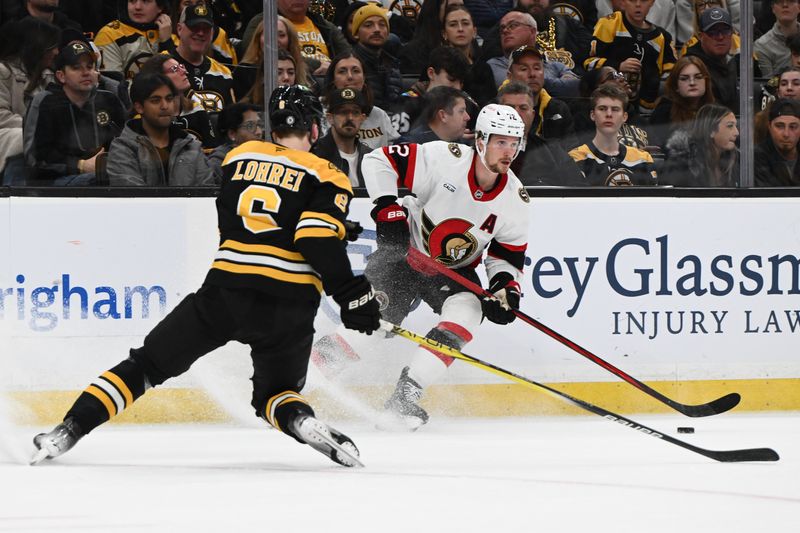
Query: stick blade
x=740, y=456
x=720, y=405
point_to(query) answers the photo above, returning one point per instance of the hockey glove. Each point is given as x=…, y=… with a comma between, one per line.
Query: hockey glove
x=500, y=308
x=352, y=230
x=391, y=225
x=358, y=307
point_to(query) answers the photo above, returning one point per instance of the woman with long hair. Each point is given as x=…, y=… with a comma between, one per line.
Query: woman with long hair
x=687, y=89
x=347, y=70
x=460, y=32
x=27, y=50
x=427, y=36
x=705, y=155
x=787, y=85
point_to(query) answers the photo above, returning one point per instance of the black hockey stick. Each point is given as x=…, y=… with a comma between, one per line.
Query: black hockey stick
x=725, y=456
x=715, y=407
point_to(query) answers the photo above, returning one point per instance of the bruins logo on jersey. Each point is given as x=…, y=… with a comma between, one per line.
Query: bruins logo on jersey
x=210, y=100
x=567, y=10
x=103, y=118
x=620, y=177
x=450, y=241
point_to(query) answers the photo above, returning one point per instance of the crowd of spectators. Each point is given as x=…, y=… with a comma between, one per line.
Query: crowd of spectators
x=612, y=92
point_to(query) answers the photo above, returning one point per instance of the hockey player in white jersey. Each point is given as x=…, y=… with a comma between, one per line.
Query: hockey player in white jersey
x=464, y=200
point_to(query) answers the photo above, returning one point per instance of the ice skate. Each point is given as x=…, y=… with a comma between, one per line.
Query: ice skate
x=327, y=440
x=403, y=406
x=60, y=440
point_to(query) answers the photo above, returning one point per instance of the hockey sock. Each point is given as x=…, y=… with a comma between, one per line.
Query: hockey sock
x=282, y=408
x=108, y=395
x=425, y=369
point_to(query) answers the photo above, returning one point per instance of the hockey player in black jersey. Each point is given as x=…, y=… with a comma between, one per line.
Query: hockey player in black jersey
x=282, y=229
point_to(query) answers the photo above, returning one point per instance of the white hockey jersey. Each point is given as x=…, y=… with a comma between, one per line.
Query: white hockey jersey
x=450, y=218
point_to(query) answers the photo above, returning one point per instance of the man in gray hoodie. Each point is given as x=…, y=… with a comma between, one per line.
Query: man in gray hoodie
x=152, y=151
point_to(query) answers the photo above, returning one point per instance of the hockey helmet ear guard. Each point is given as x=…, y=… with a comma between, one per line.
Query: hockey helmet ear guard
x=294, y=107
x=499, y=120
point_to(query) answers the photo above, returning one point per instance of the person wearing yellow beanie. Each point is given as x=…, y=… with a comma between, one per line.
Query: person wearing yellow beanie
x=370, y=30
x=365, y=12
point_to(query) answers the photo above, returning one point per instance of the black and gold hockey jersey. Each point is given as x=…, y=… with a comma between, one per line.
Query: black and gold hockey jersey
x=275, y=203
x=125, y=47
x=615, y=40
x=211, y=81
x=630, y=167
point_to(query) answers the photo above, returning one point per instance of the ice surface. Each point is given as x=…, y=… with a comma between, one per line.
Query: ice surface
x=454, y=475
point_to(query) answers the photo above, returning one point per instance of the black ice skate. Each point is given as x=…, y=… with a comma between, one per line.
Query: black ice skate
x=60, y=440
x=327, y=440
x=403, y=402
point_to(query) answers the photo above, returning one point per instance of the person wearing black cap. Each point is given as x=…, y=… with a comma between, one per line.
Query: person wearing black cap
x=347, y=111
x=716, y=32
x=72, y=122
x=282, y=229
x=211, y=81
x=776, y=157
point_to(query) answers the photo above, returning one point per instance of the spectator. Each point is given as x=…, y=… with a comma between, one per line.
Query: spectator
x=126, y=44
x=237, y=124
x=427, y=36
x=152, y=151
x=27, y=50
x=190, y=115
x=776, y=157
x=446, y=67
x=346, y=112
x=371, y=31
x=319, y=39
x=71, y=123
x=687, y=89
x=687, y=16
x=347, y=71
x=459, y=32
x=642, y=51
x=787, y=86
x=605, y=160
x=210, y=80
x=487, y=13
x=705, y=155
x=444, y=117
x=519, y=29
x=552, y=117
x=539, y=162
x=771, y=49
x=401, y=29
x=696, y=9
x=713, y=47
x=221, y=48
x=793, y=43
x=48, y=11
x=662, y=13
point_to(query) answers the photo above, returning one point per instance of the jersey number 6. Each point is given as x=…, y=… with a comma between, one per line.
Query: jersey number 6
x=255, y=205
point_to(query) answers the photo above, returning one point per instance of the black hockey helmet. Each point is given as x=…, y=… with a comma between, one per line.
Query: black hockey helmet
x=294, y=107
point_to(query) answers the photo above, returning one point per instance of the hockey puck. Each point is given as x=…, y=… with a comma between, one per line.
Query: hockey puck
x=685, y=430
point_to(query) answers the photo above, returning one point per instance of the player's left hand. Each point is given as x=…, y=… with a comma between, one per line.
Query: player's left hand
x=500, y=308
x=352, y=230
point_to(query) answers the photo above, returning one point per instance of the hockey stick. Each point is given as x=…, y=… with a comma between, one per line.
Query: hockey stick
x=715, y=407
x=725, y=456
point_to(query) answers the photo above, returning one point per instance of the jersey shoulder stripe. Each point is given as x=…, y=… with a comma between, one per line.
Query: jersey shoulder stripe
x=218, y=69
x=635, y=156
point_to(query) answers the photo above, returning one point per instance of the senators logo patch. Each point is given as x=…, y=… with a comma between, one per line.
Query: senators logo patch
x=450, y=241
x=454, y=149
x=524, y=195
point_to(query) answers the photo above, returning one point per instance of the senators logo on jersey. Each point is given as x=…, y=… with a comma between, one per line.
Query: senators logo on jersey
x=450, y=241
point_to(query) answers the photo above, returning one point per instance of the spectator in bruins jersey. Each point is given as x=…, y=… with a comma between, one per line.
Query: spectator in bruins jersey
x=776, y=157
x=152, y=151
x=662, y=13
x=605, y=160
x=552, y=117
x=639, y=49
x=319, y=39
x=444, y=117
x=346, y=112
x=127, y=43
x=211, y=81
x=190, y=115
x=263, y=289
x=71, y=123
x=687, y=89
x=221, y=48
x=237, y=124
x=371, y=32
x=347, y=71
x=705, y=155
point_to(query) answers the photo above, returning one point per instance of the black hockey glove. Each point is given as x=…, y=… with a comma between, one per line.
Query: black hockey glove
x=500, y=309
x=391, y=225
x=358, y=307
x=352, y=230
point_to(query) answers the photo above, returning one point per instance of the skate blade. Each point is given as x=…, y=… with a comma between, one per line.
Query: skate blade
x=40, y=455
x=393, y=422
x=341, y=450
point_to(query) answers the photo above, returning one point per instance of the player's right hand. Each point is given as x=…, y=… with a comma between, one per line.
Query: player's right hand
x=506, y=294
x=391, y=224
x=358, y=307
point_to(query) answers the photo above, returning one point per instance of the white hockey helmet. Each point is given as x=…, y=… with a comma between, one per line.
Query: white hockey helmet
x=500, y=120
